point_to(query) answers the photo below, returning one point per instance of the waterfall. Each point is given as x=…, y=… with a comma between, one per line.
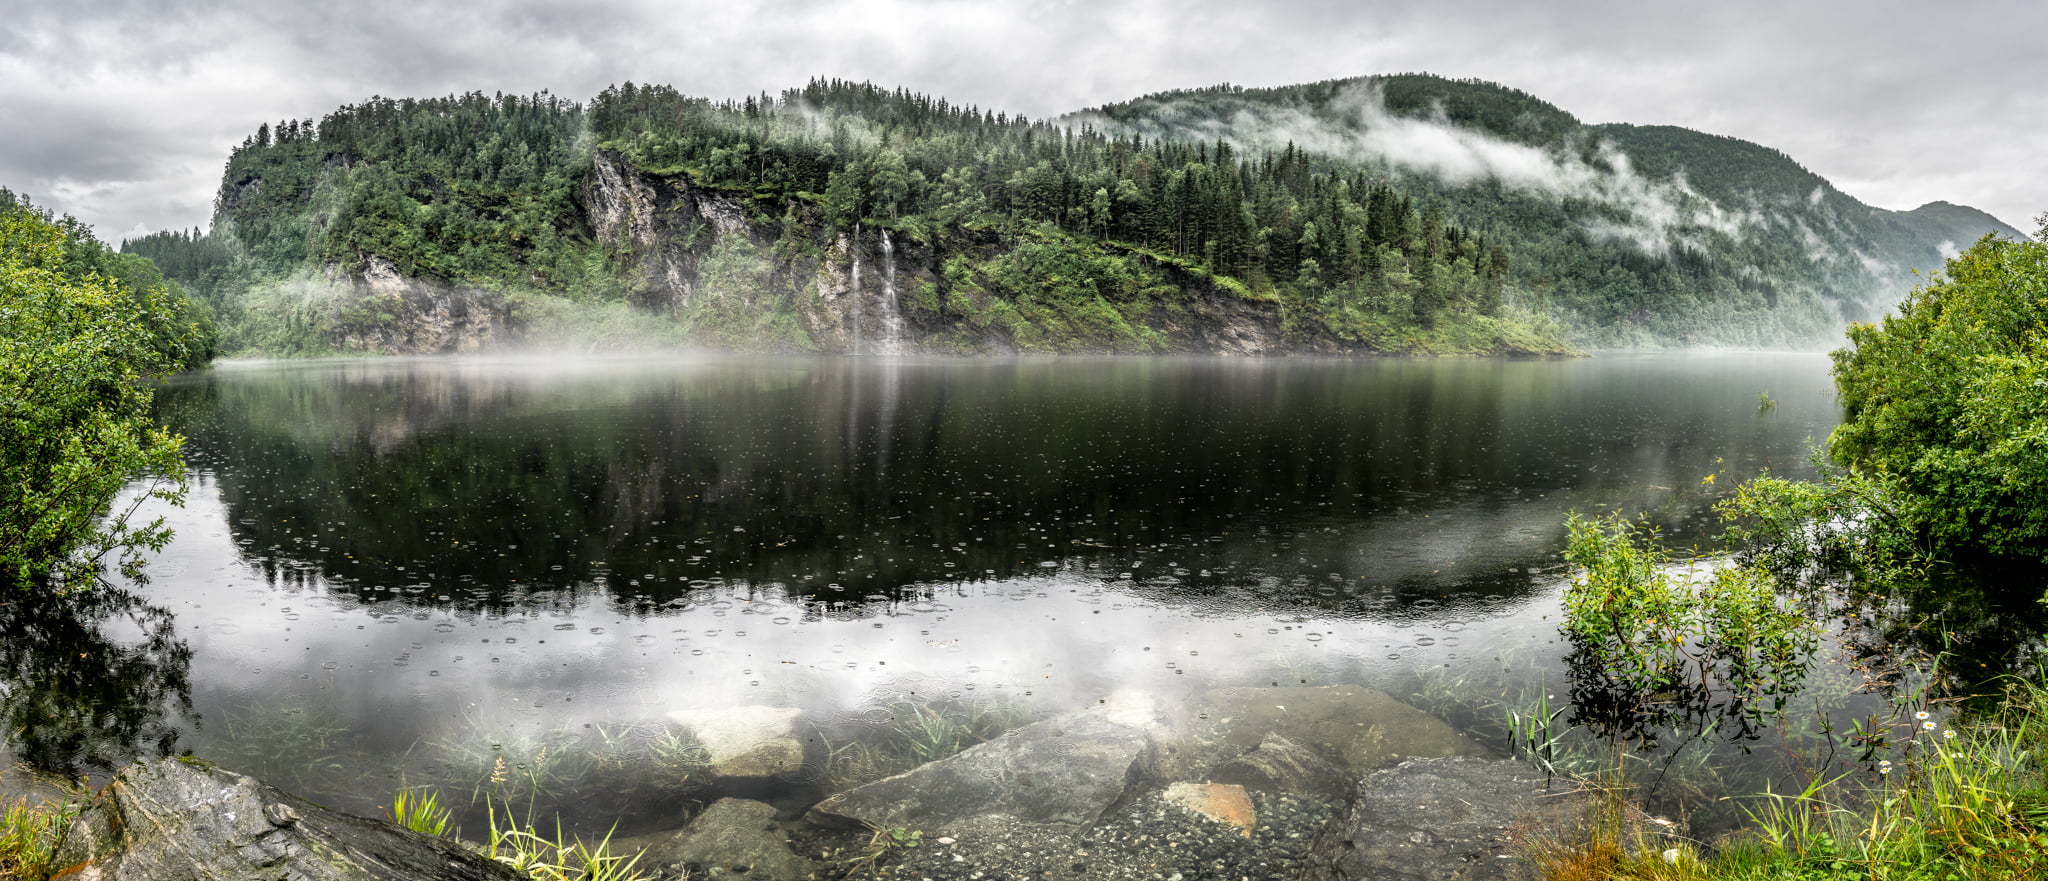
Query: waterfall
x=892, y=314
x=858, y=306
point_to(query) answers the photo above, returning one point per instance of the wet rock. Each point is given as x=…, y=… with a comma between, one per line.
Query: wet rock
x=1446, y=819
x=1279, y=764
x=731, y=837
x=92, y=836
x=750, y=741
x=21, y=784
x=1361, y=728
x=1068, y=770
x=1221, y=802
x=184, y=821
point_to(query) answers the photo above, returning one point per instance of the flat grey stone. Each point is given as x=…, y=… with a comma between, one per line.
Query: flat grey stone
x=750, y=741
x=20, y=783
x=1362, y=729
x=1068, y=770
x=184, y=821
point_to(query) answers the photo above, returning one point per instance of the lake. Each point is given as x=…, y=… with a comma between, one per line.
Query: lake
x=394, y=572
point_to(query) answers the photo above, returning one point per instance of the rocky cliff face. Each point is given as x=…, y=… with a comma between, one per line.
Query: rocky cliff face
x=725, y=269
x=867, y=290
x=381, y=310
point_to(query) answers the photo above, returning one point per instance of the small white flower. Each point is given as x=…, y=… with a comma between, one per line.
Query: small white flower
x=1927, y=725
x=1884, y=767
x=1948, y=734
x=1920, y=715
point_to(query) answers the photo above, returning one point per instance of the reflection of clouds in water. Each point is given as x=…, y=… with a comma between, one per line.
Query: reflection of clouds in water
x=1068, y=638
x=539, y=553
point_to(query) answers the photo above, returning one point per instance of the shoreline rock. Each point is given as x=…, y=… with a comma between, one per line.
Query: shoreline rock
x=182, y=820
x=1068, y=770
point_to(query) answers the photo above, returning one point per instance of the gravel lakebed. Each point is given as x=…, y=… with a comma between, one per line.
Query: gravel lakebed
x=1150, y=840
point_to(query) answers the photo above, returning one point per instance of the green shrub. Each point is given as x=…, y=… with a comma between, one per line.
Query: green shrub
x=74, y=415
x=1659, y=645
x=1946, y=398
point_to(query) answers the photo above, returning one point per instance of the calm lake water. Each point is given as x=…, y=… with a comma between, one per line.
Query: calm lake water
x=424, y=561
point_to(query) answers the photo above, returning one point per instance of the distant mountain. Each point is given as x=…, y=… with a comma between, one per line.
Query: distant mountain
x=1399, y=214
x=1635, y=234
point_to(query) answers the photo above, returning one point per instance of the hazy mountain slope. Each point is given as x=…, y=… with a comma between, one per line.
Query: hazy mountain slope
x=839, y=217
x=1398, y=214
x=1637, y=234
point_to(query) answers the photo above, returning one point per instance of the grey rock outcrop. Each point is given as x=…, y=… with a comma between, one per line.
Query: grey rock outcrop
x=382, y=310
x=1282, y=765
x=173, y=820
x=1068, y=770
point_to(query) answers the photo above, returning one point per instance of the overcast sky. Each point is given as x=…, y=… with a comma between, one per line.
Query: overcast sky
x=122, y=113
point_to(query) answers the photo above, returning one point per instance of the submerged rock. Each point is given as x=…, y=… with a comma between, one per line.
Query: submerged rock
x=1446, y=819
x=750, y=741
x=1222, y=802
x=1279, y=764
x=731, y=837
x=175, y=820
x=1361, y=728
x=24, y=785
x=1068, y=770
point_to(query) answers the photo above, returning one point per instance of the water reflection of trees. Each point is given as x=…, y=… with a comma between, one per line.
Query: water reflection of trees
x=90, y=680
x=485, y=482
x=1949, y=636
x=1964, y=626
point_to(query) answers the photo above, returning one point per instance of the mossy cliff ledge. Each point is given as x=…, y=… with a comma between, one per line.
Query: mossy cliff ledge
x=728, y=265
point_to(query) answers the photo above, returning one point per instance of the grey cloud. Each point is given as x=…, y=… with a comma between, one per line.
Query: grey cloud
x=1898, y=103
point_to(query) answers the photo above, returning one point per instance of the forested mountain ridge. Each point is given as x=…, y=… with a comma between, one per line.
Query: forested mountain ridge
x=1633, y=235
x=1390, y=214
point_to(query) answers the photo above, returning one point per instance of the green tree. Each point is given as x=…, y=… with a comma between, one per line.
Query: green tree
x=1948, y=401
x=74, y=416
x=891, y=183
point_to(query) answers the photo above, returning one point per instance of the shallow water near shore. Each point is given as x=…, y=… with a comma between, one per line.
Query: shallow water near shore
x=395, y=573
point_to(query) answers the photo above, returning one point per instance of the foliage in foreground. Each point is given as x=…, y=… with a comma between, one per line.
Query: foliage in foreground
x=1657, y=646
x=1937, y=497
x=1946, y=398
x=1962, y=802
x=29, y=836
x=74, y=418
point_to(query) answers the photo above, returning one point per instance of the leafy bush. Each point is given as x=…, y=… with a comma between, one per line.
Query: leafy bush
x=1949, y=400
x=74, y=417
x=1658, y=645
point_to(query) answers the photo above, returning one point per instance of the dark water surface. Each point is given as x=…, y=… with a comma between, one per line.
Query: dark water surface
x=430, y=560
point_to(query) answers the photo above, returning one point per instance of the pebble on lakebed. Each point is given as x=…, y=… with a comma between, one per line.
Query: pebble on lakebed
x=1154, y=839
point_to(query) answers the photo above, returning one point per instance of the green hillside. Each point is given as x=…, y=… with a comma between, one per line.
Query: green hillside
x=1633, y=235
x=1401, y=214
